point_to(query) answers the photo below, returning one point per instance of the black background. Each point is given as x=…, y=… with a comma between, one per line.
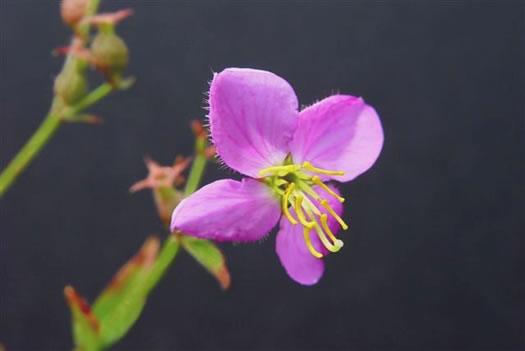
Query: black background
x=435, y=255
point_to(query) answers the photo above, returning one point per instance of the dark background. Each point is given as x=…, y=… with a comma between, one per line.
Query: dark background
x=435, y=255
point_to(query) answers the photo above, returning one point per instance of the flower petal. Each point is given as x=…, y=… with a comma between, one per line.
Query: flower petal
x=228, y=210
x=298, y=262
x=253, y=115
x=339, y=133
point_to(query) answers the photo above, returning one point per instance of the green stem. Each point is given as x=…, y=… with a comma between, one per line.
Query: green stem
x=195, y=174
x=197, y=168
x=163, y=262
x=29, y=151
x=171, y=245
x=92, y=98
x=50, y=124
x=44, y=132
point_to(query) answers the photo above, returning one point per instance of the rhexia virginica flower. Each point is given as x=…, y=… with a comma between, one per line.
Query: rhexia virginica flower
x=288, y=156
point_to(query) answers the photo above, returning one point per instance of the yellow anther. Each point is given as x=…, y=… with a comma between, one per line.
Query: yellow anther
x=330, y=210
x=309, y=245
x=308, y=166
x=318, y=181
x=281, y=170
x=300, y=214
x=285, y=203
x=324, y=222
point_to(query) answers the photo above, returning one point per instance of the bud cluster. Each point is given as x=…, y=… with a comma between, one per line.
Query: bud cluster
x=106, y=51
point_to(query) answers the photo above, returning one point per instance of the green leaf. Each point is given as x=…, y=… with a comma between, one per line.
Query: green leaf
x=121, y=318
x=121, y=303
x=209, y=256
x=86, y=327
x=131, y=274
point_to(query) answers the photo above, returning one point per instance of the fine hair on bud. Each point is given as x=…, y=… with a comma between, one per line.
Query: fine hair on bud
x=73, y=11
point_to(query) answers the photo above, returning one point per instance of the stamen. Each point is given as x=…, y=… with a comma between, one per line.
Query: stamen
x=308, y=166
x=314, y=252
x=325, y=204
x=324, y=222
x=318, y=181
x=300, y=214
x=311, y=206
x=307, y=189
x=285, y=203
x=280, y=169
x=322, y=235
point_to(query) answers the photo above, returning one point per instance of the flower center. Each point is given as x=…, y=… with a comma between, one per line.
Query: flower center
x=295, y=187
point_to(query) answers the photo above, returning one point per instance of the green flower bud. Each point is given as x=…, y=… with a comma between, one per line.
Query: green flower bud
x=110, y=53
x=71, y=85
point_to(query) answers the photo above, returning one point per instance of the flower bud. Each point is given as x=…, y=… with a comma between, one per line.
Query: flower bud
x=73, y=11
x=110, y=53
x=71, y=85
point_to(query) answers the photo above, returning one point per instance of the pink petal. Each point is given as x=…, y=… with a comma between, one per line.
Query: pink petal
x=339, y=133
x=253, y=115
x=228, y=210
x=298, y=262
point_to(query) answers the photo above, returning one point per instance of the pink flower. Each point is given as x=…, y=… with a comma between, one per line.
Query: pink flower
x=288, y=156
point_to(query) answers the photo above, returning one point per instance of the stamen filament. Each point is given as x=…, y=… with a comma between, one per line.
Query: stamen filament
x=311, y=206
x=330, y=210
x=324, y=222
x=313, y=251
x=318, y=182
x=308, y=189
x=308, y=166
x=277, y=169
x=289, y=189
x=300, y=214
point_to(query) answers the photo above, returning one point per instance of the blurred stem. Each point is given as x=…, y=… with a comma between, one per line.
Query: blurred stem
x=29, y=151
x=44, y=132
x=164, y=260
x=197, y=169
x=51, y=122
x=195, y=175
x=92, y=98
x=171, y=245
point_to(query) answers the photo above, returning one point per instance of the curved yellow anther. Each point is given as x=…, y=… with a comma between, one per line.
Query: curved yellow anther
x=324, y=222
x=317, y=181
x=330, y=210
x=313, y=251
x=300, y=214
x=308, y=166
x=289, y=189
x=282, y=170
x=322, y=236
